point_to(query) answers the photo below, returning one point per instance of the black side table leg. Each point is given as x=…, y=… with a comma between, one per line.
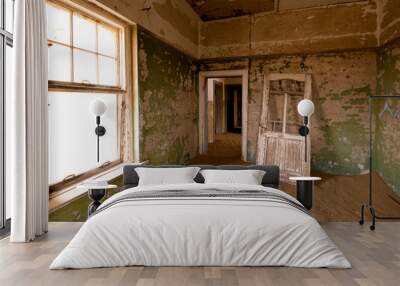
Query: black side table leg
x=95, y=195
x=305, y=193
x=361, y=221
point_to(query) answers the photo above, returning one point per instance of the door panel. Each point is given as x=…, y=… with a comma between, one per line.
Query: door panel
x=279, y=142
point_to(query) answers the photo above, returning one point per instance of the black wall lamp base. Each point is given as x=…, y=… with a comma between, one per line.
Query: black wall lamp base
x=100, y=130
x=303, y=130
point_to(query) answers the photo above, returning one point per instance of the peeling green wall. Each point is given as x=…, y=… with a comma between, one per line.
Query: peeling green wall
x=168, y=102
x=387, y=123
x=342, y=82
x=389, y=69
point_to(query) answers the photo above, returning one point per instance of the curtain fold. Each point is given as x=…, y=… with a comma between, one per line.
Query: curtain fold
x=26, y=118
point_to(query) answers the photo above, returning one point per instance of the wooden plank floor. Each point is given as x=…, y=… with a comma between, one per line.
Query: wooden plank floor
x=226, y=149
x=375, y=257
x=337, y=198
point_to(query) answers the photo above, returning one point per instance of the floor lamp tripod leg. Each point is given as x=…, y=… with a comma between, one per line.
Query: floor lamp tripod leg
x=372, y=210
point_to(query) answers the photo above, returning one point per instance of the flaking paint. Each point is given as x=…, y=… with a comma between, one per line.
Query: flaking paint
x=389, y=20
x=173, y=21
x=387, y=137
x=342, y=82
x=168, y=102
x=343, y=26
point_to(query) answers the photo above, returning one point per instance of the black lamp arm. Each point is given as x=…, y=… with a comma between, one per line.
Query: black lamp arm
x=305, y=120
x=100, y=131
x=306, y=130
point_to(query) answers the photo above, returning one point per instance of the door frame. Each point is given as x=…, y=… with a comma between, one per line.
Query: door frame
x=203, y=76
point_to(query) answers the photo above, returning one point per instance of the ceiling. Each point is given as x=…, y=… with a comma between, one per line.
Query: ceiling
x=219, y=9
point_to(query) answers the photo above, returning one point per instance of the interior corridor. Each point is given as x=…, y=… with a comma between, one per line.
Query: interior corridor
x=223, y=122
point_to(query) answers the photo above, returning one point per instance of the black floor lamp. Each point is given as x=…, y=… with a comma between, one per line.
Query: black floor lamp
x=369, y=205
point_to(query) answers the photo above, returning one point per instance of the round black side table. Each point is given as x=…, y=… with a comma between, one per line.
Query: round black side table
x=305, y=187
x=96, y=193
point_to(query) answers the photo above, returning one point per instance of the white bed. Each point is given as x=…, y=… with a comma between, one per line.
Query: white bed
x=200, y=231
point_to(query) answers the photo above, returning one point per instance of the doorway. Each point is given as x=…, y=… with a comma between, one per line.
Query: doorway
x=223, y=117
x=234, y=106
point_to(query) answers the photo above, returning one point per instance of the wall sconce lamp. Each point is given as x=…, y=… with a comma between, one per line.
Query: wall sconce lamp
x=97, y=107
x=305, y=108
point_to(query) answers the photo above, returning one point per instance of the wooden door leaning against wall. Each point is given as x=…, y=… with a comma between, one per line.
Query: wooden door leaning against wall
x=279, y=141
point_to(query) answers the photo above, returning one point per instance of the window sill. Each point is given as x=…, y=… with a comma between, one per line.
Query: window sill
x=60, y=187
x=63, y=197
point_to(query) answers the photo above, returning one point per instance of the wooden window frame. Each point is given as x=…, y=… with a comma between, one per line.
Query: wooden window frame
x=118, y=31
x=71, y=86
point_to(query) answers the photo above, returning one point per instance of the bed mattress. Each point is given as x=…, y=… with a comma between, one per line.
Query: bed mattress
x=201, y=225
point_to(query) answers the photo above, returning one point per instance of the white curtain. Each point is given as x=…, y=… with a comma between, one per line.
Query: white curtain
x=26, y=128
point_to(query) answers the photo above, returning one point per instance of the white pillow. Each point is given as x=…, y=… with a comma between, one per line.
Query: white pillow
x=165, y=176
x=248, y=177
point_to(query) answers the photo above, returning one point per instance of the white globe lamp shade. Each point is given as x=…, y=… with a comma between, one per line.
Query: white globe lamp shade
x=97, y=107
x=305, y=107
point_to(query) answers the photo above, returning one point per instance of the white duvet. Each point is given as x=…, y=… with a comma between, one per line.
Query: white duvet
x=202, y=232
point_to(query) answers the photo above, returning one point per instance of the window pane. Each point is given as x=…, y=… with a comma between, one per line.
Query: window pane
x=58, y=24
x=107, y=41
x=9, y=15
x=59, y=63
x=107, y=71
x=84, y=33
x=85, y=67
x=72, y=140
x=8, y=83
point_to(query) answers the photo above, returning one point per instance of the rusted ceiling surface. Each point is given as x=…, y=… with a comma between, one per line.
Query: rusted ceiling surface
x=219, y=9
x=299, y=4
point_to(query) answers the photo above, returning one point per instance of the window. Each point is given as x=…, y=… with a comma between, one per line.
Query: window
x=71, y=134
x=6, y=44
x=84, y=65
x=81, y=49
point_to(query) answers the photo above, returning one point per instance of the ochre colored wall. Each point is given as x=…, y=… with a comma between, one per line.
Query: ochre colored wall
x=389, y=18
x=335, y=43
x=173, y=21
x=330, y=28
x=342, y=82
x=325, y=28
x=389, y=69
x=168, y=102
x=387, y=129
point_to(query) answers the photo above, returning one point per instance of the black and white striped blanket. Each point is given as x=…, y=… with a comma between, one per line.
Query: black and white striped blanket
x=205, y=194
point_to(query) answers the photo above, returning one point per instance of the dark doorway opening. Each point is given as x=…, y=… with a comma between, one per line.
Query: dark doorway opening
x=234, y=108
